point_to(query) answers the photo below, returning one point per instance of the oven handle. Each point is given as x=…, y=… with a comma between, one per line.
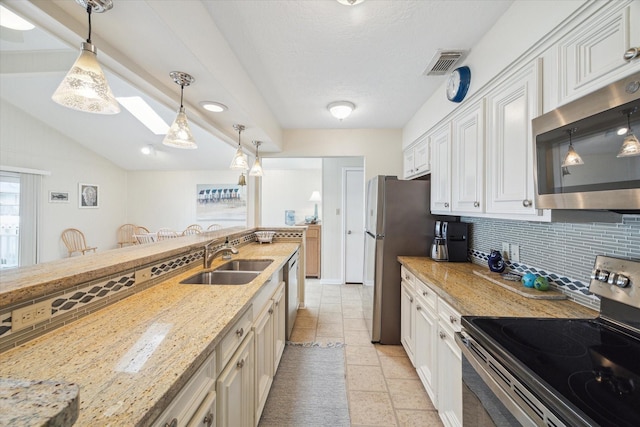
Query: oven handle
x=469, y=346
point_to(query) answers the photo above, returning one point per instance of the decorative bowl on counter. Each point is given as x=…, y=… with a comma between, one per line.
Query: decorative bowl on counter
x=265, y=236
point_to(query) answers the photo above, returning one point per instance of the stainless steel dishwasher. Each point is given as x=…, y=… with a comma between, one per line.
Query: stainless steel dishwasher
x=291, y=288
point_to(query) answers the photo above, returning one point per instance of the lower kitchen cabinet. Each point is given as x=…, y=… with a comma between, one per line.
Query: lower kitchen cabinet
x=235, y=386
x=426, y=327
x=313, y=250
x=449, y=367
x=408, y=316
x=279, y=327
x=264, y=349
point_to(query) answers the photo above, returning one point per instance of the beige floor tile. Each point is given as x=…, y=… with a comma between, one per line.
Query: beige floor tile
x=308, y=312
x=362, y=355
x=357, y=338
x=409, y=394
x=354, y=325
x=365, y=378
x=303, y=335
x=305, y=322
x=398, y=367
x=371, y=409
x=409, y=418
x=391, y=350
x=330, y=308
x=312, y=302
x=329, y=317
x=352, y=313
x=330, y=300
x=328, y=341
x=329, y=330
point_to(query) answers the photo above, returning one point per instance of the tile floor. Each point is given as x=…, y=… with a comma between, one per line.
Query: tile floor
x=383, y=387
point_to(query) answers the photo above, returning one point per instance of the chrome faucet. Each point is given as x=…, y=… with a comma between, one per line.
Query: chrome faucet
x=226, y=252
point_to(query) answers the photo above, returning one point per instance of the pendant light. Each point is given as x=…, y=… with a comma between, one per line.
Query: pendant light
x=239, y=160
x=242, y=180
x=85, y=86
x=572, y=158
x=179, y=135
x=256, y=169
x=630, y=145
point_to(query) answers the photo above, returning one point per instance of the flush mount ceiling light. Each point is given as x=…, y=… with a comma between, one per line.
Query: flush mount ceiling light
x=239, y=160
x=256, y=169
x=572, y=158
x=8, y=19
x=350, y=2
x=214, y=107
x=630, y=145
x=341, y=109
x=85, y=86
x=179, y=135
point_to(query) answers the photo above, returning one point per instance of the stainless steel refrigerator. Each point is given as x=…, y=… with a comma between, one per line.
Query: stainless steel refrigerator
x=398, y=222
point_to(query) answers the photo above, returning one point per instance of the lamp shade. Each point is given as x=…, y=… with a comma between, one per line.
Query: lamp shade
x=179, y=135
x=315, y=197
x=85, y=86
x=630, y=146
x=572, y=158
x=256, y=169
x=239, y=160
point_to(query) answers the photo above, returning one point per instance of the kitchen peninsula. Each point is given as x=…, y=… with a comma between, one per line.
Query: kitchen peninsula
x=131, y=358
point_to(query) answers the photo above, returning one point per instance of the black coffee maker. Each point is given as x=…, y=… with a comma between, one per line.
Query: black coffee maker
x=451, y=241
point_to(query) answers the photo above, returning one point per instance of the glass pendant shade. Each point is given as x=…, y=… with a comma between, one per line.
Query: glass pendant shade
x=630, y=146
x=85, y=86
x=179, y=135
x=572, y=158
x=256, y=169
x=239, y=160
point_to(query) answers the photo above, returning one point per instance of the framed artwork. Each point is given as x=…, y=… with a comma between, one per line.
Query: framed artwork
x=290, y=217
x=224, y=204
x=58, y=197
x=88, y=196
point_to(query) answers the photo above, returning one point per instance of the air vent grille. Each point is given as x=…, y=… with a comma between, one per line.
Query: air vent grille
x=443, y=62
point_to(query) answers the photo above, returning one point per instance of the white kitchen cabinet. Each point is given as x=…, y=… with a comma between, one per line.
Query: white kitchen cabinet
x=235, y=388
x=426, y=339
x=408, y=316
x=264, y=350
x=279, y=328
x=416, y=159
x=449, y=367
x=441, y=169
x=467, y=166
x=511, y=107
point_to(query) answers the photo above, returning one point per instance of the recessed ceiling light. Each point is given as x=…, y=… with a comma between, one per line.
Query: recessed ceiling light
x=8, y=19
x=350, y=2
x=148, y=150
x=212, y=106
x=144, y=113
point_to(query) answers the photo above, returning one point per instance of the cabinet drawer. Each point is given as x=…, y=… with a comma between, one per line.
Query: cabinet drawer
x=234, y=337
x=407, y=277
x=449, y=317
x=426, y=295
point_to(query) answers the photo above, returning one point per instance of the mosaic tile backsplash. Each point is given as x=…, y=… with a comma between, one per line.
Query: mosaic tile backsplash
x=563, y=252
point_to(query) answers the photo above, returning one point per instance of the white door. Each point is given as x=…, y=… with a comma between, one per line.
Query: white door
x=353, y=224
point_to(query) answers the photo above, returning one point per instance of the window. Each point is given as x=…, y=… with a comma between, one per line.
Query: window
x=9, y=219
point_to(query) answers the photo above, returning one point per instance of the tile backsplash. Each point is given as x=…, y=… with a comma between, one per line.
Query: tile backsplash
x=567, y=249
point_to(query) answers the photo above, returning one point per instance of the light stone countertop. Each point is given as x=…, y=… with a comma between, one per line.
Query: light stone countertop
x=472, y=295
x=90, y=352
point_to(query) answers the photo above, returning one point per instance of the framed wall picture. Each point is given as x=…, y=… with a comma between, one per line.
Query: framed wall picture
x=58, y=197
x=88, y=196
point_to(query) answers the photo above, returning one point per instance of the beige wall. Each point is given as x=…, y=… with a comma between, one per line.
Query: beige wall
x=381, y=148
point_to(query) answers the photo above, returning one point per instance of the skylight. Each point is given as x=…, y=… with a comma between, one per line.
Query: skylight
x=143, y=112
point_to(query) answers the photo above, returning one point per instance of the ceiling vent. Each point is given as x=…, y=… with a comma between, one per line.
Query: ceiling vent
x=443, y=62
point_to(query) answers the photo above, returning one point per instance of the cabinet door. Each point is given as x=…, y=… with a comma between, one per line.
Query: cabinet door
x=235, y=388
x=511, y=107
x=264, y=353
x=407, y=320
x=312, y=259
x=279, y=329
x=467, y=172
x=421, y=157
x=449, y=379
x=441, y=169
x=425, y=348
x=408, y=162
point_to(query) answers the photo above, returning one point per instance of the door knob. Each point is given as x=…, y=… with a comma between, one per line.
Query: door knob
x=349, y=232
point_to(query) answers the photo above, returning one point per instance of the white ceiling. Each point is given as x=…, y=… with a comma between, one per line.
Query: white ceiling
x=275, y=63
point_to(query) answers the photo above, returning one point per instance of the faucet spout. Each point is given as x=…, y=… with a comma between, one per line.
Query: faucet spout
x=225, y=251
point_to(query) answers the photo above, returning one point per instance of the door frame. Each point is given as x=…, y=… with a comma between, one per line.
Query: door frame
x=343, y=226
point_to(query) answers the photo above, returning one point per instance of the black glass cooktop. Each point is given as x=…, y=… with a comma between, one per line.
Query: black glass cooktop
x=589, y=365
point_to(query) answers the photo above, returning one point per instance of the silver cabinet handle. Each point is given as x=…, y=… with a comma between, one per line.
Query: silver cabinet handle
x=442, y=335
x=271, y=311
x=418, y=308
x=410, y=299
x=452, y=319
x=476, y=204
x=631, y=53
x=526, y=203
x=172, y=423
x=446, y=205
x=240, y=332
x=208, y=420
x=277, y=303
x=240, y=364
x=425, y=293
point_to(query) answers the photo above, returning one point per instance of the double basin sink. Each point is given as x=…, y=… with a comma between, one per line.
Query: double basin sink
x=235, y=272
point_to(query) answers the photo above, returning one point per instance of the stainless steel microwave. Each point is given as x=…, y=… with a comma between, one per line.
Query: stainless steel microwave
x=579, y=158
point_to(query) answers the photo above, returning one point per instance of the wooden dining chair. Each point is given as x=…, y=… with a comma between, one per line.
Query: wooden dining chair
x=214, y=227
x=125, y=235
x=192, y=229
x=75, y=242
x=166, y=233
x=145, y=238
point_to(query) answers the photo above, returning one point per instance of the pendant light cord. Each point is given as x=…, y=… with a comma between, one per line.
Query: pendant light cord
x=89, y=14
x=181, y=95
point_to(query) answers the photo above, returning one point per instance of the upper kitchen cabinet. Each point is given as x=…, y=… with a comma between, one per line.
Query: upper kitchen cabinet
x=591, y=55
x=441, y=169
x=416, y=159
x=511, y=106
x=467, y=166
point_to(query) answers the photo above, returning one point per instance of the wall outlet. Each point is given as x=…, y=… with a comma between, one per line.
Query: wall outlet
x=514, y=253
x=505, y=251
x=30, y=315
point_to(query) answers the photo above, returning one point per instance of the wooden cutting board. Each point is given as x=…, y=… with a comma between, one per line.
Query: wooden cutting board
x=518, y=288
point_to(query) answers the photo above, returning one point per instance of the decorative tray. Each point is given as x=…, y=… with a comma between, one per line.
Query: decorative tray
x=516, y=287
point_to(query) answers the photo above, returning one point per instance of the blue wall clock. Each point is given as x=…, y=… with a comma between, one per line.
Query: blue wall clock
x=458, y=84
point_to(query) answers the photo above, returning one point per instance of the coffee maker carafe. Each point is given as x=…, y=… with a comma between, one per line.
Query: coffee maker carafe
x=439, y=250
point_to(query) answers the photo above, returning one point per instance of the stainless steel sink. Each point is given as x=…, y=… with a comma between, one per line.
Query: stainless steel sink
x=216, y=277
x=245, y=265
